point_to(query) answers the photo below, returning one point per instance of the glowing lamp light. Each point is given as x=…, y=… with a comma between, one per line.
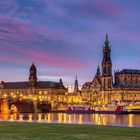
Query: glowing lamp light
x=5, y=95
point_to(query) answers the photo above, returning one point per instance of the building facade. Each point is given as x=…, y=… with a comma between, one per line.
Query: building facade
x=38, y=93
x=102, y=90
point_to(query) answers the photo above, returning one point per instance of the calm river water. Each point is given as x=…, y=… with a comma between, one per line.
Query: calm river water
x=130, y=120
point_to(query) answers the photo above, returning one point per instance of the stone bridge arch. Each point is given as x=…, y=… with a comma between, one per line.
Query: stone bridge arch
x=21, y=107
x=62, y=106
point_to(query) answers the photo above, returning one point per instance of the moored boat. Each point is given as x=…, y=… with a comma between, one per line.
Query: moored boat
x=133, y=109
x=79, y=109
x=110, y=109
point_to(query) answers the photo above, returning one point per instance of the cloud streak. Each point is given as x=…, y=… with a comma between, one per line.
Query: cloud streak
x=67, y=36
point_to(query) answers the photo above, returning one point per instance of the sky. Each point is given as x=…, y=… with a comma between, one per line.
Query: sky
x=65, y=38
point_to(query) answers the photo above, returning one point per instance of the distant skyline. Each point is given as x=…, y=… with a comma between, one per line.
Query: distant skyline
x=66, y=37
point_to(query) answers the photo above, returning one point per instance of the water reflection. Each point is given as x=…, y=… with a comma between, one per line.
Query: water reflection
x=30, y=118
x=21, y=117
x=131, y=120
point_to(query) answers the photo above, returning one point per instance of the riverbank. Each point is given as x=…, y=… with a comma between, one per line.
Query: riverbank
x=35, y=131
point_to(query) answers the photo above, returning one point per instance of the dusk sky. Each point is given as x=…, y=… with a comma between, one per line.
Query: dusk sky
x=65, y=37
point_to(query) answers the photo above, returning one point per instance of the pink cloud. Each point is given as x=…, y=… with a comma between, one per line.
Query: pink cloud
x=43, y=58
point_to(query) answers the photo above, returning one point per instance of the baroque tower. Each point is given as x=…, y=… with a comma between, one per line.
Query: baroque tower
x=107, y=79
x=33, y=76
x=76, y=89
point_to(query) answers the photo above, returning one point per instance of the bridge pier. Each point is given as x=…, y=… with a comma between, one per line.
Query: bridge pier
x=5, y=106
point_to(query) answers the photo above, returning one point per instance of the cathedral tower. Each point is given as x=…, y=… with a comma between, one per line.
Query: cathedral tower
x=107, y=66
x=33, y=76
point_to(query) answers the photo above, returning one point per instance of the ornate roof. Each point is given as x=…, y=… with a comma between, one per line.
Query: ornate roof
x=25, y=85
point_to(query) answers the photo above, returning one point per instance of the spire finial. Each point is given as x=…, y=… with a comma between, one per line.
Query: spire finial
x=106, y=36
x=106, y=41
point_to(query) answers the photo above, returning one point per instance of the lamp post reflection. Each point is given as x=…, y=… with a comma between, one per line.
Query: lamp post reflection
x=130, y=124
x=80, y=119
x=39, y=118
x=69, y=118
x=60, y=119
x=30, y=119
x=49, y=118
x=65, y=118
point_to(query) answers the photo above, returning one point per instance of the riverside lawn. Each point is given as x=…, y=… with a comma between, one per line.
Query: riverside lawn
x=37, y=131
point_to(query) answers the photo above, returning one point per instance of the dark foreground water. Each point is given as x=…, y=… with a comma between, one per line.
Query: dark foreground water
x=130, y=120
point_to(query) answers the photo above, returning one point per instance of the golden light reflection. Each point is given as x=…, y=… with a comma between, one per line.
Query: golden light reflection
x=13, y=117
x=93, y=118
x=65, y=118
x=20, y=117
x=39, y=118
x=130, y=120
x=130, y=124
x=52, y=116
x=45, y=117
x=74, y=119
x=60, y=118
x=49, y=118
x=4, y=116
x=104, y=120
x=80, y=119
x=97, y=119
x=69, y=118
x=30, y=118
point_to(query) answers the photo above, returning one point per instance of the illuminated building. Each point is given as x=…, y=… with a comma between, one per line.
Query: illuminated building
x=102, y=90
x=32, y=95
x=36, y=96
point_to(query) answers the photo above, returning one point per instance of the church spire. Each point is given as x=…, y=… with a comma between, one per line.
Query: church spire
x=98, y=71
x=106, y=41
x=107, y=66
x=61, y=83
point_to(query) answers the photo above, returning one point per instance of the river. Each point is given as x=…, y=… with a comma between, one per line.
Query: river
x=129, y=120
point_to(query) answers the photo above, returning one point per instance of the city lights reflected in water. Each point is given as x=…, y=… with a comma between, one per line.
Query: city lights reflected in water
x=69, y=118
x=49, y=117
x=131, y=120
x=13, y=117
x=39, y=118
x=80, y=119
x=20, y=117
x=30, y=118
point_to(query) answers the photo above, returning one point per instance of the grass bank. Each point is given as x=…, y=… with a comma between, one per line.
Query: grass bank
x=34, y=131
